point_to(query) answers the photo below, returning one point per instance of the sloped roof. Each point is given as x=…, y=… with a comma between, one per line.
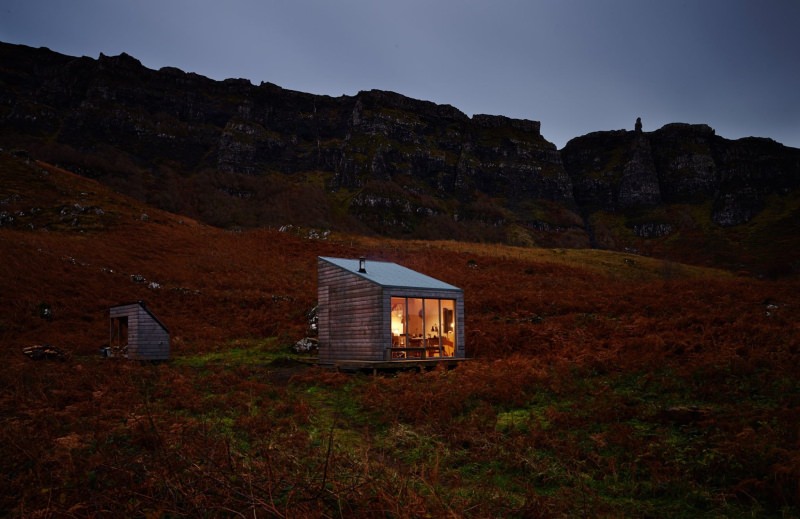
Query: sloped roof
x=389, y=274
x=143, y=305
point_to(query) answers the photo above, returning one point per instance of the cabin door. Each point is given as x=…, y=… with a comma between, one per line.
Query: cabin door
x=119, y=335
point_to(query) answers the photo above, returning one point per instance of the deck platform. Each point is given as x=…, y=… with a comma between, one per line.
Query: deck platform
x=375, y=366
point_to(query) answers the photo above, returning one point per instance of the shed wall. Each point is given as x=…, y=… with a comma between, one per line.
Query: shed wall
x=147, y=338
x=152, y=338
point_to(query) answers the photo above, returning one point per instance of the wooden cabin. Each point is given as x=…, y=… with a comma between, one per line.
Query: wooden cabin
x=136, y=333
x=383, y=312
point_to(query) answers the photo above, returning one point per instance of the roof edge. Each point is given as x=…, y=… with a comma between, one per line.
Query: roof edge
x=380, y=279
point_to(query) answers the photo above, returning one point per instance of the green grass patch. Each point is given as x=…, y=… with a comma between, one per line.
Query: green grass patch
x=240, y=352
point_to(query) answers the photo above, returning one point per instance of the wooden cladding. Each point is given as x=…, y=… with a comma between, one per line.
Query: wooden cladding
x=349, y=316
x=136, y=333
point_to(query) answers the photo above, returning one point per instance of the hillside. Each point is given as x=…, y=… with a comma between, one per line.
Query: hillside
x=601, y=383
x=236, y=155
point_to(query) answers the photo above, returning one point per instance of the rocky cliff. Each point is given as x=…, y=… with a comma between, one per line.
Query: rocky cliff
x=237, y=154
x=678, y=167
x=680, y=163
x=392, y=163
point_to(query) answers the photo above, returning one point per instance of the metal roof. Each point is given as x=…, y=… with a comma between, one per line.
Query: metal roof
x=389, y=274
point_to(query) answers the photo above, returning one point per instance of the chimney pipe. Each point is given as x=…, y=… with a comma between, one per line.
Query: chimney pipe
x=362, y=265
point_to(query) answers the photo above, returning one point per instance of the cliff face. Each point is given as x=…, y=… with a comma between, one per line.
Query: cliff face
x=612, y=171
x=680, y=163
x=236, y=154
x=395, y=162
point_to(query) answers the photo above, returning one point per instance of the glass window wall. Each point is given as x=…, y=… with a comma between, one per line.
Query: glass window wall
x=423, y=328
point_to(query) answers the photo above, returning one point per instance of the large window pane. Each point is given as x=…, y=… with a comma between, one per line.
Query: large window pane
x=416, y=325
x=423, y=325
x=432, y=327
x=399, y=321
x=448, y=327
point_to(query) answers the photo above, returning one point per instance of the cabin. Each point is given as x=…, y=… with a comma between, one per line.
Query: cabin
x=135, y=333
x=383, y=312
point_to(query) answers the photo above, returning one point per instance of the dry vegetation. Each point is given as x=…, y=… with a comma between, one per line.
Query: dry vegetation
x=602, y=384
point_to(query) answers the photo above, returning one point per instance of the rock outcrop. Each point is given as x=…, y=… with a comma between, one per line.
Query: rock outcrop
x=401, y=160
x=237, y=154
x=679, y=163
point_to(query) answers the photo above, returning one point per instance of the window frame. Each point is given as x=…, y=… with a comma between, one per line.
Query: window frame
x=431, y=332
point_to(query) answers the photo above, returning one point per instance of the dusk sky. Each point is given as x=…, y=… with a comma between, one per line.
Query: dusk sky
x=577, y=66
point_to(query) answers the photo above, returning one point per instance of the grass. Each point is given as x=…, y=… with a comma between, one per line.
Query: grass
x=237, y=353
x=581, y=440
x=600, y=384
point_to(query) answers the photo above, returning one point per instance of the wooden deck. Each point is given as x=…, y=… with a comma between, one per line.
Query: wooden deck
x=375, y=366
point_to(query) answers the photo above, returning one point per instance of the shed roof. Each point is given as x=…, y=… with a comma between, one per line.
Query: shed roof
x=143, y=305
x=389, y=274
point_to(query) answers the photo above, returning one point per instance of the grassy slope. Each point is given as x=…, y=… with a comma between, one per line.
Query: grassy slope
x=603, y=384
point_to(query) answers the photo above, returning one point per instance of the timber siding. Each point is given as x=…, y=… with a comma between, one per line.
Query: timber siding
x=355, y=312
x=148, y=338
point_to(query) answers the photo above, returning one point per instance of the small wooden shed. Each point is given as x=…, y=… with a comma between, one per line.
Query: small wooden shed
x=382, y=311
x=136, y=333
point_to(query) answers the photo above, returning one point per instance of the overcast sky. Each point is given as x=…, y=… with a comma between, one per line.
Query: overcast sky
x=577, y=66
